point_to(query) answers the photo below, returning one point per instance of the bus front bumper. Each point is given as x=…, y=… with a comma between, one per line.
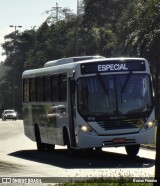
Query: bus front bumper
x=85, y=140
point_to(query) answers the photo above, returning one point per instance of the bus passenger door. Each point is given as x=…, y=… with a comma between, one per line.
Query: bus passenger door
x=71, y=105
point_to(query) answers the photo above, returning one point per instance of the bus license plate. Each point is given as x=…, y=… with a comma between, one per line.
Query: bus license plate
x=119, y=140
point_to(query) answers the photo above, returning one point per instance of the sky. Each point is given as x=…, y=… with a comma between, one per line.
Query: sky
x=26, y=13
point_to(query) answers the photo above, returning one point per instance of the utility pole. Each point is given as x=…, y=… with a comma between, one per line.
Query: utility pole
x=77, y=30
x=56, y=9
x=15, y=48
x=15, y=29
x=79, y=12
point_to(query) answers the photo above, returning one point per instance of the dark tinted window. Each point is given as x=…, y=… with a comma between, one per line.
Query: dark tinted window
x=32, y=89
x=47, y=88
x=54, y=88
x=40, y=92
x=25, y=90
x=63, y=87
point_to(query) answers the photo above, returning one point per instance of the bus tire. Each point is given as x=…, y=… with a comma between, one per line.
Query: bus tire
x=50, y=147
x=66, y=139
x=40, y=145
x=70, y=150
x=98, y=149
x=132, y=150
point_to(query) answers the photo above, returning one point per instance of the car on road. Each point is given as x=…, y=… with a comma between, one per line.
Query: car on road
x=9, y=114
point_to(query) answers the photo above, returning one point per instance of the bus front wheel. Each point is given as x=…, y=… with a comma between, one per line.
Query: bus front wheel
x=40, y=145
x=132, y=150
x=66, y=138
x=67, y=142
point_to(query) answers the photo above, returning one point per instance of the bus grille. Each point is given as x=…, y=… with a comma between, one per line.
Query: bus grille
x=121, y=124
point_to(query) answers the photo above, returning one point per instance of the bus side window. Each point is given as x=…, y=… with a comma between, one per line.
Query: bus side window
x=54, y=88
x=32, y=89
x=63, y=87
x=47, y=88
x=25, y=90
x=40, y=93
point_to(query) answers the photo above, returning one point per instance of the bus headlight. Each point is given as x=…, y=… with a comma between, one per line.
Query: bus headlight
x=149, y=125
x=84, y=128
x=87, y=129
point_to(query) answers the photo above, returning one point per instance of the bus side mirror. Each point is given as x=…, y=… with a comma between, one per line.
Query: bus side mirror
x=72, y=85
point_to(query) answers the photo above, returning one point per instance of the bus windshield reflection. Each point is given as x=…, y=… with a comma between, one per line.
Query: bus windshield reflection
x=135, y=98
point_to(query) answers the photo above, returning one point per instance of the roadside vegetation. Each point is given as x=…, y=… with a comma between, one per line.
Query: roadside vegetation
x=107, y=28
x=106, y=182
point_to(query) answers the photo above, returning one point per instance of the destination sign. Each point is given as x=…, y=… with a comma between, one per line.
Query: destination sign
x=113, y=66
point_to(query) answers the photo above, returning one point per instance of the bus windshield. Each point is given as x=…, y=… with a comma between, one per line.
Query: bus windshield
x=114, y=95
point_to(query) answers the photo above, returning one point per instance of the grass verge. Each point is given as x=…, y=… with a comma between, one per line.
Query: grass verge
x=121, y=181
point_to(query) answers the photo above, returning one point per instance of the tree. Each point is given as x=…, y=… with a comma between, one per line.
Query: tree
x=11, y=82
x=101, y=26
x=144, y=40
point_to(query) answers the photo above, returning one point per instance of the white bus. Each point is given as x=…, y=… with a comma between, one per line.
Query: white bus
x=90, y=102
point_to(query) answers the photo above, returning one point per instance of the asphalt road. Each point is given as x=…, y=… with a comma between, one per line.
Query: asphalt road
x=19, y=158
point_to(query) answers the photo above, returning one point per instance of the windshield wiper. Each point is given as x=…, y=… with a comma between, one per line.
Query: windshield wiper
x=102, y=84
x=126, y=81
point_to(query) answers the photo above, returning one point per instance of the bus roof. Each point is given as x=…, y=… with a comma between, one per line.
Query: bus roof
x=70, y=60
x=66, y=64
